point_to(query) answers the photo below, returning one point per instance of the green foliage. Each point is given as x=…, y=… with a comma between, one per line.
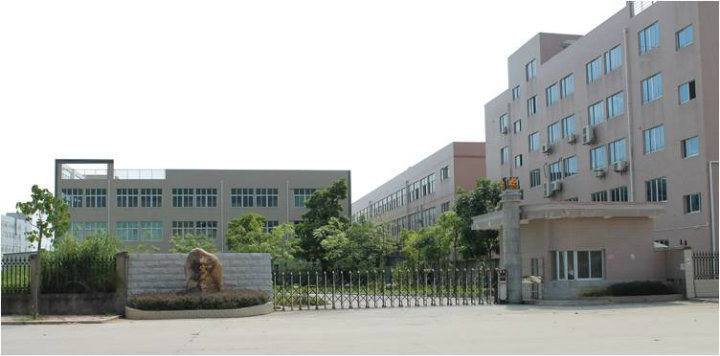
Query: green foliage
x=232, y=299
x=360, y=245
x=142, y=248
x=247, y=234
x=186, y=243
x=98, y=245
x=633, y=288
x=475, y=244
x=322, y=206
x=47, y=214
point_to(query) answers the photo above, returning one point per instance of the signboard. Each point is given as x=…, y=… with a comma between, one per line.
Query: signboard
x=509, y=183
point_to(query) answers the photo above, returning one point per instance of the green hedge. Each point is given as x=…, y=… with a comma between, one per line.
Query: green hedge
x=197, y=300
x=633, y=288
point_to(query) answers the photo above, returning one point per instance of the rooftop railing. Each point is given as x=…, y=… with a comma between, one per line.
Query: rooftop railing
x=139, y=174
x=120, y=174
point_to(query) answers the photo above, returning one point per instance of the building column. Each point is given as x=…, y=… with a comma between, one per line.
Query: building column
x=510, y=252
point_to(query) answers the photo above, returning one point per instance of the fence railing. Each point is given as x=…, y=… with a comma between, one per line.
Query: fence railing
x=78, y=275
x=381, y=288
x=16, y=274
x=705, y=264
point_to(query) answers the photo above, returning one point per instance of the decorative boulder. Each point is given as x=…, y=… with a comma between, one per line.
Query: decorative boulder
x=203, y=272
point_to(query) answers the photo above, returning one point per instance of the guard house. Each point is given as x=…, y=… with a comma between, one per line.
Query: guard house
x=568, y=248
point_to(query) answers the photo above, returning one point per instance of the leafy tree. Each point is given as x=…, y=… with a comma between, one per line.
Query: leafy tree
x=483, y=199
x=245, y=230
x=186, y=243
x=322, y=206
x=246, y=233
x=143, y=248
x=360, y=245
x=47, y=215
x=97, y=245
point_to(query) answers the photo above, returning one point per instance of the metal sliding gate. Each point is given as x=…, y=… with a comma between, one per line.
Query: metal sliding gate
x=394, y=288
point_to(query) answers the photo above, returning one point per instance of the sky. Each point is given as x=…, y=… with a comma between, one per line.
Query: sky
x=370, y=86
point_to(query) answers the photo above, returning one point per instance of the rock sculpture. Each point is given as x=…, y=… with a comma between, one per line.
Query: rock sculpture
x=203, y=272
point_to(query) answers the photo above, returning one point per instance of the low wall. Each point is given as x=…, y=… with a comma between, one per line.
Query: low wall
x=165, y=272
x=706, y=288
x=65, y=304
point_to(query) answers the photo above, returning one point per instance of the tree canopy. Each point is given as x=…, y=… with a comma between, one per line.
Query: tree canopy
x=483, y=199
x=47, y=214
x=246, y=233
x=322, y=206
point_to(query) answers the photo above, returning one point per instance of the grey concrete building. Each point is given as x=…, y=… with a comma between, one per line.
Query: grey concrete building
x=150, y=206
x=626, y=113
x=13, y=230
x=416, y=197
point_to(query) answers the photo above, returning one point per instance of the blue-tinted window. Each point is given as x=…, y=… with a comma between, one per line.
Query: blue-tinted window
x=649, y=38
x=685, y=37
x=652, y=88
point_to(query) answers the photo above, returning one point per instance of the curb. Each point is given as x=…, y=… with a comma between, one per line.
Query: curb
x=58, y=322
x=592, y=301
x=136, y=314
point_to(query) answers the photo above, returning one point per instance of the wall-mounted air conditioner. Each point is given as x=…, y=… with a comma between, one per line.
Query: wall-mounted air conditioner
x=546, y=148
x=556, y=186
x=600, y=172
x=588, y=135
x=547, y=190
x=571, y=138
x=620, y=166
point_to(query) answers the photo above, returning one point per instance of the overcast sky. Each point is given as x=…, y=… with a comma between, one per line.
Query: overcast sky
x=370, y=86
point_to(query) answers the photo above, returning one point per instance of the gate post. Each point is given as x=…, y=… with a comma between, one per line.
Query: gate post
x=689, y=265
x=510, y=254
x=35, y=276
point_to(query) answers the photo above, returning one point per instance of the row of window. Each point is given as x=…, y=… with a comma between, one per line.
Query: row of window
x=263, y=197
x=618, y=194
x=414, y=191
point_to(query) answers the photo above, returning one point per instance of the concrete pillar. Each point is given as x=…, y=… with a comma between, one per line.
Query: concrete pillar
x=121, y=291
x=689, y=267
x=35, y=276
x=510, y=252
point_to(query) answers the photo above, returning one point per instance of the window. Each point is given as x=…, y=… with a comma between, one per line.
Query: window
x=206, y=197
x=95, y=197
x=127, y=198
x=73, y=197
x=504, y=155
x=516, y=92
x=689, y=147
x=444, y=173
x=654, y=139
x=684, y=37
x=656, y=189
x=302, y=195
x=242, y=197
x=554, y=132
x=552, y=94
x=270, y=225
x=534, y=141
x=530, y=70
x=151, y=197
x=593, y=70
x=617, y=151
x=692, y=203
x=649, y=38
x=571, y=265
x=532, y=106
x=518, y=161
x=81, y=230
x=619, y=194
x=182, y=228
x=567, y=85
x=517, y=126
x=128, y=230
x=207, y=228
x=570, y=166
x=616, y=105
x=599, y=196
x=555, y=171
x=596, y=114
x=613, y=59
x=652, y=88
x=598, y=158
x=686, y=92
x=535, y=178
x=151, y=231
x=573, y=199
x=266, y=197
x=569, y=126
x=504, y=123
x=182, y=197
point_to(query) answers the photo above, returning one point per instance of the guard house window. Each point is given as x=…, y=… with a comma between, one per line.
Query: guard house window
x=128, y=230
x=182, y=197
x=518, y=161
x=619, y=194
x=151, y=197
x=270, y=225
x=95, y=197
x=684, y=37
x=444, y=173
x=649, y=38
x=686, y=92
x=206, y=197
x=504, y=123
x=596, y=113
x=572, y=265
x=652, y=88
x=613, y=59
x=692, y=203
x=570, y=166
x=569, y=125
x=151, y=231
x=567, y=85
x=532, y=106
x=594, y=70
x=516, y=92
x=552, y=94
x=73, y=197
x=534, y=141
x=242, y=197
x=301, y=195
x=598, y=158
x=616, y=105
x=207, y=228
x=617, y=151
x=266, y=197
x=517, y=126
x=554, y=132
x=689, y=147
x=127, y=198
x=656, y=189
x=599, y=196
x=555, y=171
x=182, y=228
x=654, y=139
x=535, y=178
x=530, y=70
x=504, y=155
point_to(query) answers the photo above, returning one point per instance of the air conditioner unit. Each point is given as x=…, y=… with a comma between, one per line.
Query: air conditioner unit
x=600, y=172
x=547, y=190
x=571, y=138
x=588, y=135
x=556, y=186
x=620, y=166
x=504, y=130
x=546, y=148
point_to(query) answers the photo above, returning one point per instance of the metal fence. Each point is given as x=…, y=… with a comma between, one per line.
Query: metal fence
x=382, y=288
x=78, y=275
x=705, y=264
x=16, y=274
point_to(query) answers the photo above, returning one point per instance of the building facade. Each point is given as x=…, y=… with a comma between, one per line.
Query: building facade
x=416, y=197
x=150, y=206
x=625, y=113
x=14, y=228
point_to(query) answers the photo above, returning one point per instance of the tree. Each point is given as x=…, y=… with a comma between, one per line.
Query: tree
x=359, y=245
x=186, y=243
x=483, y=199
x=246, y=233
x=47, y=215
x=323, y=205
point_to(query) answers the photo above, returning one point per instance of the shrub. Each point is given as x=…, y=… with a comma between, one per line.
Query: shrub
x=633, y=288
x=196, y=300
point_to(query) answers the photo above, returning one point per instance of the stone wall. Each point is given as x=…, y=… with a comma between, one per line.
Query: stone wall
x=165, y=272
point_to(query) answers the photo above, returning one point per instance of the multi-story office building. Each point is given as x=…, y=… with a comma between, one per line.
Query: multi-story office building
x=14, y=228
x=150, y=206
x=625, y=113
x=416, y=197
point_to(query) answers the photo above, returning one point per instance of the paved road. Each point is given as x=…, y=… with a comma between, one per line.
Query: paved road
x=667, y=328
